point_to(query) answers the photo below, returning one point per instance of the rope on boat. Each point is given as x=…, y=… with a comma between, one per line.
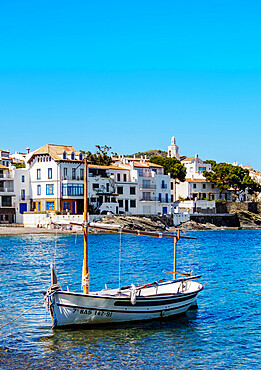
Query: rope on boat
x=22, y=313
x=233, y=290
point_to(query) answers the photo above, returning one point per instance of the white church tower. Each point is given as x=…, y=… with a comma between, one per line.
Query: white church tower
x=173, y=149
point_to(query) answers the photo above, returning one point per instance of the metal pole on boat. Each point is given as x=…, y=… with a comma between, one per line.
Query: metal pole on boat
x=176, y=238
x=85, y=232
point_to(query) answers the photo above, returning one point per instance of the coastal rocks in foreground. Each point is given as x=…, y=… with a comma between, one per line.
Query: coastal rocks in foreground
x=249, y=220
x=142, y=223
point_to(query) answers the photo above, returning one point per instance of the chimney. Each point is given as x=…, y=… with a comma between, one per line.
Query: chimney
x=28, y=150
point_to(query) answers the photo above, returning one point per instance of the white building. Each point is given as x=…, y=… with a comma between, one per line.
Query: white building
x=56, y=179
x=7, y=194
x=146, y=190
x=173, y=149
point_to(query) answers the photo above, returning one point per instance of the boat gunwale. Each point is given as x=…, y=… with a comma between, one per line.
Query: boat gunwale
x=146, y=298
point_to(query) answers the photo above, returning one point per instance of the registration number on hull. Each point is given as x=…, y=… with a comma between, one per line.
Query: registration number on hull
x=92, y=312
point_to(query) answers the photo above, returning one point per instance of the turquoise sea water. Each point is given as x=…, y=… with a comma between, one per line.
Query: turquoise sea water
x=223, y=333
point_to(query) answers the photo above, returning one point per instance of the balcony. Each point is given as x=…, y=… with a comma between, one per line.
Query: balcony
x=72, y=178
x=6, y=176
x=145, y=174
x=148, y=199
x=147, y=187
x=7, y=190
x=164, y=200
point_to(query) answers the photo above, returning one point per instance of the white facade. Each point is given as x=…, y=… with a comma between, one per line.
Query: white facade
x=22, y=189
x=7, y=194
x=56, y=178
x=173, y=149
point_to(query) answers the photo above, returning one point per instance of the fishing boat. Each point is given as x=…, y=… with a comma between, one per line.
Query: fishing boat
x=149, y=301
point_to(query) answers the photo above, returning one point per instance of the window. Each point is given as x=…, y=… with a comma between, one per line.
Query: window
x=121, y=203
x=204, y=186
x=22, y=194
x=73, y=174
x=201, y=169
x=213, y=186
x=72, y=190
x=194, y=186
x=120, y=189
x=118, y=177
x=38, y=189
x=66, y=206
x=167, y=198
x=81, y=173
x=124, y=177
x=65, y=172
x=163, y=185
x=6, y=201
x=132, y=190
x=38, y=174
x=171, y=185
x=22, y=178
x=95, y=186
x=49, y=206
x=132, y=203
x=80, y=156
x=72, y=156
x=49, y=189
x=50, y=173
x=64, y=155
x=107, y=188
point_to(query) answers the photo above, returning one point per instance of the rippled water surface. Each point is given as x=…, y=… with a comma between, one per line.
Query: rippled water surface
x=223, y=333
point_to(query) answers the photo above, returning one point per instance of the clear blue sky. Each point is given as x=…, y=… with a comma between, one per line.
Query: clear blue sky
x=131, y=74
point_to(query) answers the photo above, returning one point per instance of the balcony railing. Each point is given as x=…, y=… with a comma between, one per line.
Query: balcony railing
x=72, y=178
x=6, y=176
x=155, y=199
x=164, y=200
x=6, y=190
x=148, y=187
x=145, y=174
x=148, y=199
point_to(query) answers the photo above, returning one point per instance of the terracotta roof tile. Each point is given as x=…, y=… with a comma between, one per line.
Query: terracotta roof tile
x=3, y=167
x=54, y=151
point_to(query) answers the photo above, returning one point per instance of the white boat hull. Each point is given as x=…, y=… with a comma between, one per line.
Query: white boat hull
x=109, y=306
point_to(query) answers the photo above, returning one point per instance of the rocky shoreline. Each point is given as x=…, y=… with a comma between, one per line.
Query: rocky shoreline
x=241, y=220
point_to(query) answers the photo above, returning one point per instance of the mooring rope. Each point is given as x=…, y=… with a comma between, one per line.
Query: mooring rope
x=233, y=290
x=9, y=322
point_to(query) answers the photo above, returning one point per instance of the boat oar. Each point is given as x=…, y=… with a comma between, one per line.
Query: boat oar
x=178, y=273
x=146, y=285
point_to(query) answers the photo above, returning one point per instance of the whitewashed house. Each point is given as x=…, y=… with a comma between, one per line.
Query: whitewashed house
x=56, y=178
x=7, y=194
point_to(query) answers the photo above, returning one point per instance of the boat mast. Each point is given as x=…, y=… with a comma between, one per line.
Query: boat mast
x=176, y=239
x=85, y=282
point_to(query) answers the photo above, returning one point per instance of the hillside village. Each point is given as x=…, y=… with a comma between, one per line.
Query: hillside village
x=49, y=180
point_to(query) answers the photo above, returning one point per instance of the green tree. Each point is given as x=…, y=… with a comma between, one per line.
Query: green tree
x=100, y=157
x=226, y=176
x=210, y=161
x=172, y=166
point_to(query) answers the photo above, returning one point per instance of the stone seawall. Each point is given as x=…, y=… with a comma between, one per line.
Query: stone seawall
x=219, y=220
x=232, y=207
